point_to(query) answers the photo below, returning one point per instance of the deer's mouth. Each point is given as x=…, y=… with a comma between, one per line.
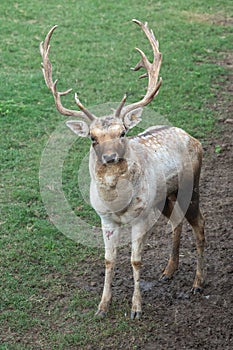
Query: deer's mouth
x=114, y=162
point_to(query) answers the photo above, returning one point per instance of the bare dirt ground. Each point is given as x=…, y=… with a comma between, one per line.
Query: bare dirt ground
x=174, y=318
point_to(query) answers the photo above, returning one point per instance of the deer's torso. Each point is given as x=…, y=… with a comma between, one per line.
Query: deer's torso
x=157, y=161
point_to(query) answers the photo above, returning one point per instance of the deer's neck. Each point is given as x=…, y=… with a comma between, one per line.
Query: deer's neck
x=116, y=183
x=109, y=175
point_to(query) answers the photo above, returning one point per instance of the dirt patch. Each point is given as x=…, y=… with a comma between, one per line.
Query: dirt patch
x=172, y=317
x=217, y=18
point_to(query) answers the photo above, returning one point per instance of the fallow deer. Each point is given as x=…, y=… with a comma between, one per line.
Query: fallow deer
x=132, y=178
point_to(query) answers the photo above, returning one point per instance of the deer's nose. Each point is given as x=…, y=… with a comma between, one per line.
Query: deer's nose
x=109, y=158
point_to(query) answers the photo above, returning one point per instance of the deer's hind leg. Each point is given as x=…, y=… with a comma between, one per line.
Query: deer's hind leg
x=172, y=212
x=196, y=220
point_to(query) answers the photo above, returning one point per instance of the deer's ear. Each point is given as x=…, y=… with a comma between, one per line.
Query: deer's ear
x=78, y=127
x=132, y=118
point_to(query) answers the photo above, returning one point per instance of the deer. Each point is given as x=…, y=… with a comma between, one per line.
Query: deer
x=135, y=177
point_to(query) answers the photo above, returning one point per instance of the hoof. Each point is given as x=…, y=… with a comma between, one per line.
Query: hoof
x=135, y=315
x=165, y=278
x=101, y=314
x=197, y=290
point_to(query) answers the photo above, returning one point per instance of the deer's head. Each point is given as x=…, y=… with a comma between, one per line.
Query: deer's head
x=107, y=133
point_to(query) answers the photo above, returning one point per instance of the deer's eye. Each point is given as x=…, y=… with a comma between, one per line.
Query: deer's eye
x=122, y=134
x=93, y=140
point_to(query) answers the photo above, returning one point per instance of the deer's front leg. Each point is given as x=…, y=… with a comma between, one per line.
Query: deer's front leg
x=111, y=236
x=138, y=239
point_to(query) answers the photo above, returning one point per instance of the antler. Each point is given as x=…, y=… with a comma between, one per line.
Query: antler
x=47, y=72
x=152, y=72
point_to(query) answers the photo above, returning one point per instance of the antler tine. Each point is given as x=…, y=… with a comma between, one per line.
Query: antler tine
x=47, y=72
x=121, y=105
x=152, y=70
x=84, y=109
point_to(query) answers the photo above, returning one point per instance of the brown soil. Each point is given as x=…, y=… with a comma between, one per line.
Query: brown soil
x=173, y=318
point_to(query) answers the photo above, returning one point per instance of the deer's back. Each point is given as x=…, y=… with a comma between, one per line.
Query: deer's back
x=166, y=142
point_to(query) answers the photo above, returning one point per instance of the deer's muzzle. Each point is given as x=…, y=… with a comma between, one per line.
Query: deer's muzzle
x=110, y=158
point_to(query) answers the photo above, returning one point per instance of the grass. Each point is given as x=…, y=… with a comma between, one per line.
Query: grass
x=92, y=51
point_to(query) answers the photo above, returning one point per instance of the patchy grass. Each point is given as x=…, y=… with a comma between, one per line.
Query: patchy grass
x=219, y=18
x=92, y=51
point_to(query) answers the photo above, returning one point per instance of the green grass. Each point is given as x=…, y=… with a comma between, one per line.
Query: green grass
x=92, y=52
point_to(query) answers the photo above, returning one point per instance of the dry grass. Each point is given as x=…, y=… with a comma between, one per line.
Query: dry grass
x=219, y=18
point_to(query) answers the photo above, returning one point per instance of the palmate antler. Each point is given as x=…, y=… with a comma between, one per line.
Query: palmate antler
x=152, y=73
x=52, y=85
x=151, y=68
